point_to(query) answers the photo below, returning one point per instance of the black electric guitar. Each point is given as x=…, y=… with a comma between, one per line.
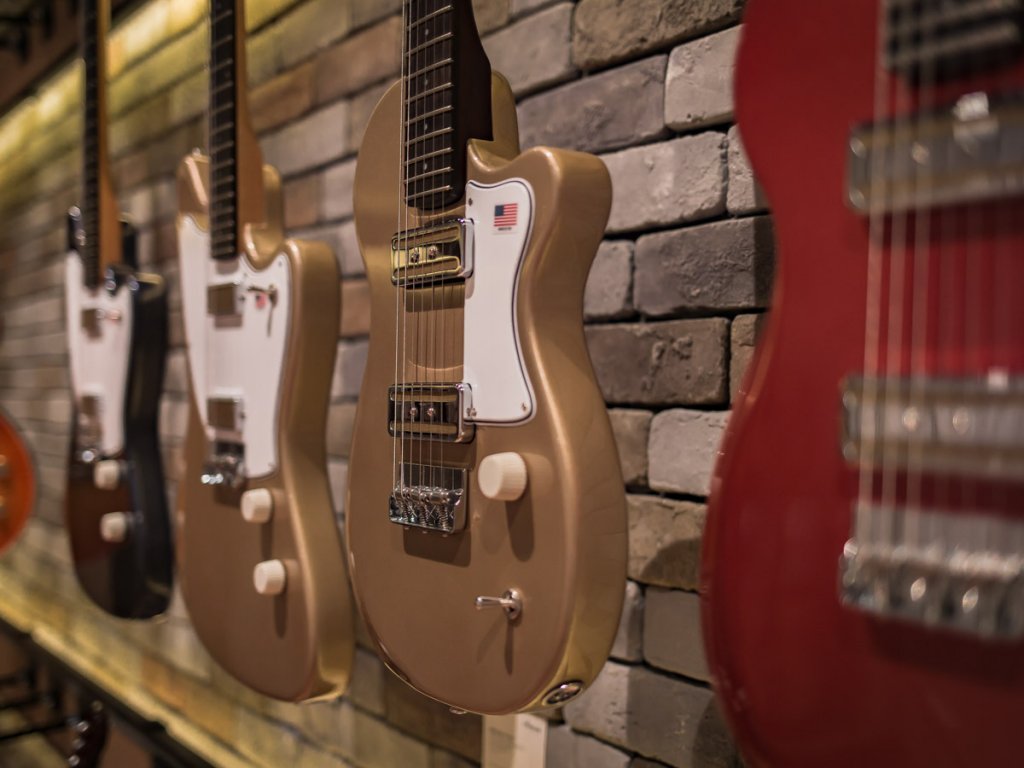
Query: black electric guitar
x=116, y=510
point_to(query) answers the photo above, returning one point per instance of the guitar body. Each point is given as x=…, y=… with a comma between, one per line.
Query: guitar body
x=805, y=681
x=562, y=544
x=276, y=358
x=118, y=363
x=17, y=483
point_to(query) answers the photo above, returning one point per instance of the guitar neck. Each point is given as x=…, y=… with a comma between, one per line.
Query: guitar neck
x=447, y=99
x=236, y=165
x=101, y=226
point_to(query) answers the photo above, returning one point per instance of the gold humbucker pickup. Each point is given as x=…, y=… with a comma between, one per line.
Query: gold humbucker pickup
x=433, y=254
x=970, y=152
x=430, y=411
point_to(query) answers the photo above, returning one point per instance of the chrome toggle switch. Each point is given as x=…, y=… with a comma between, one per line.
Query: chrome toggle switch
x=511, y=602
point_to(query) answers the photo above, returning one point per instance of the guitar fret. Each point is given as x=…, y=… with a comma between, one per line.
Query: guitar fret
x=429, y=92
x=428, y=44
x=428, y=155
x=424, y=137
x=428, y=174
x=429, y=16
x=430, y=192
x=427, y=115
x=221, y=64
x=429, y=68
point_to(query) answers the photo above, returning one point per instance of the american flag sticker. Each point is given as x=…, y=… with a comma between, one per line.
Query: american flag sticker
x=506, y=215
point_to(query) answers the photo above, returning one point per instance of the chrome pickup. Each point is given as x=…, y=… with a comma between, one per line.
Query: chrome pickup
x=89, y=428
x=970, y=152
x=963, y=427
x=430, y=412
x=430, y=497
x=433, y=254
x=225, y=299
x=932, y=575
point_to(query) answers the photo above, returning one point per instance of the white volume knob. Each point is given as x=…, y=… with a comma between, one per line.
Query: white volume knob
x=257, y=505
x=269, y=577
x=114, y=527
x=107, y=474
x=502, y=476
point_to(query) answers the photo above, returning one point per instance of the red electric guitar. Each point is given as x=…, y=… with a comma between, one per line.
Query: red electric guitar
x=863, y=592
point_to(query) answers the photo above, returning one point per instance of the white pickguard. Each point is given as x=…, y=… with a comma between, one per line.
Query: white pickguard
x=99, y=361
x=236, y=357
x=493, y=359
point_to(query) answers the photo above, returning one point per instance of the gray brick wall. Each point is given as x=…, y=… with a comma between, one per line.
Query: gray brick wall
x=673, y=305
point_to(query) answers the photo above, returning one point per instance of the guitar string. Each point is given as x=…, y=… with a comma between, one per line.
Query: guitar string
x=396, y=266
x=865, y=528
x=918, y=373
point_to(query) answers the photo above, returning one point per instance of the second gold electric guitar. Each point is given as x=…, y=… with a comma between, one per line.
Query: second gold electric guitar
x=259, y=550
x=486, y=515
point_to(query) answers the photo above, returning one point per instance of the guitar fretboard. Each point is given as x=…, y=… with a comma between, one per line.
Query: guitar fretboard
x=446, y=99
x=223, y=144
x=94, y=69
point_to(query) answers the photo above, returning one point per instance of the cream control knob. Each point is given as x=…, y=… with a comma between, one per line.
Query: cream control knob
x=114, y=527
x=107, y=474
x=502, y=476
x=257, y=505
x=270, y=577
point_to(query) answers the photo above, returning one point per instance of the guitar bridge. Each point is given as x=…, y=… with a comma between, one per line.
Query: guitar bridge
x=430, y=412
x=429, y=497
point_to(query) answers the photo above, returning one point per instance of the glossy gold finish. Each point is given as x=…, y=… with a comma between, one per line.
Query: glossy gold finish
x=298, y=645
x=562, y=546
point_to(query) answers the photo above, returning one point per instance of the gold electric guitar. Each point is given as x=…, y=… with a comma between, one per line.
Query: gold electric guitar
x=260, y=554
x=486, y=518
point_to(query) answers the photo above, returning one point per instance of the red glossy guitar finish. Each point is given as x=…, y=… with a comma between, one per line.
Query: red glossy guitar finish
x=805, y=681
x=17, y=483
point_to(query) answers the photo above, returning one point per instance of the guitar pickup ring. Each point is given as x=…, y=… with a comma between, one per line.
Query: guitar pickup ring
x=430, y=412
x=438, y=253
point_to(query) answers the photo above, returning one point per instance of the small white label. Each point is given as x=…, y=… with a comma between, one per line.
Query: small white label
x=514, y=741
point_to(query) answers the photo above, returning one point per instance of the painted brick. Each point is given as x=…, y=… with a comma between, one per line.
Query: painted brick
x=348, y=369
x=591, y=114
x=302, y=201
x=672, y=636
x=655, y=715
x=336, y=202
x=745, y=194
x=683, y=448
x=534, y=51
x=567, y=749
x=414, y=713
x=366, y=689
x=631, y=428
x=440, y=758
x=724, y=266
x=176, y=373
x=342, y=240
x=360, y=110
x=745, y=332
x=358, y=61
x=367, y=11
x=609, y=289
x=337, y=477
x=490, y=14
x=317, y=139
x=629, y=638
x=607, y=31
x=677, y=362
x=669, y=183
x=698, y=88
x=664, y=541
x=171, y=63
x=313, y=25
x=282, y=98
